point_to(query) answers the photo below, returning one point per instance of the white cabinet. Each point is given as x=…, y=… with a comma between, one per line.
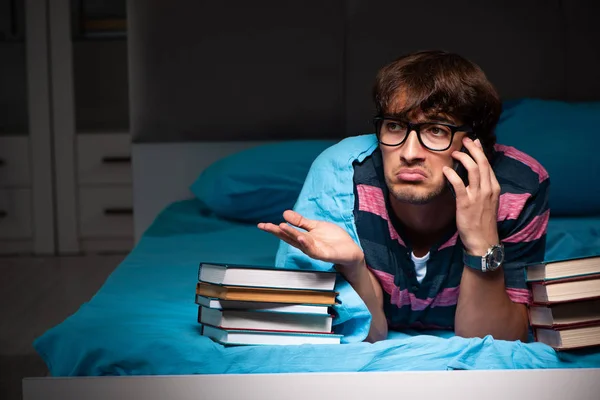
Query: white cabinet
x=104, y=191
x=92, y=151
x=63, y=190
x=26, y=180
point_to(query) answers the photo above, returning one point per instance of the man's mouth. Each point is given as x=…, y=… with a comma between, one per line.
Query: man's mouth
x=411, y=175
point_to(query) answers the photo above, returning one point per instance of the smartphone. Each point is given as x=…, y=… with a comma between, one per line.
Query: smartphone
x=461, y=171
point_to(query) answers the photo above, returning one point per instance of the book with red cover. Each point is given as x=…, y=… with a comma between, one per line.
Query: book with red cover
x=564, y=315
x=566, y=290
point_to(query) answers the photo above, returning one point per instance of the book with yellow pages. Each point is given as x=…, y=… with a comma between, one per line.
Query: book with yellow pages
x=244, y=293
x=317, y=309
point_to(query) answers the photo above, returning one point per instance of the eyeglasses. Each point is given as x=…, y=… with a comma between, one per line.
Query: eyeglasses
x=434, y=136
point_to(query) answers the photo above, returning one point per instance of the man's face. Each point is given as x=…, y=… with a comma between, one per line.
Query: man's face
x=413, y=173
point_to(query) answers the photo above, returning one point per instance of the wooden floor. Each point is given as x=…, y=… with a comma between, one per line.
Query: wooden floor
x=36, y=293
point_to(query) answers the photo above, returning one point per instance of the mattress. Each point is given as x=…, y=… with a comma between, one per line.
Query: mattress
x=143, y=320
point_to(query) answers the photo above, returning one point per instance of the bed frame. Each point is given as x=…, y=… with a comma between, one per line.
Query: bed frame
x=451, y=385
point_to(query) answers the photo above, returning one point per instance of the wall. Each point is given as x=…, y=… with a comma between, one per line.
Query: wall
x=263, y=70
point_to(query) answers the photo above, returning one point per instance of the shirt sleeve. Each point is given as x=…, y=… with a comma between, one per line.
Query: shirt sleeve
x=524, y=237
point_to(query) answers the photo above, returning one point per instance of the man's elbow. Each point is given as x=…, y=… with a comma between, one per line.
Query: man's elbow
x=520, y=332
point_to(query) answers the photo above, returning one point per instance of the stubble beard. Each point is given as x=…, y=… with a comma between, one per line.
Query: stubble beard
x=407, y=195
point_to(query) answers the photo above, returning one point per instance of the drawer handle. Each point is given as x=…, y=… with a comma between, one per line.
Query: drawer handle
x=118, y=211
x=3, y=214
x=116, y=160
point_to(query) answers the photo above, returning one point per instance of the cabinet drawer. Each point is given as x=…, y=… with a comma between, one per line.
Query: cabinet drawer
x=14, y=161
x=15, y=214
x=104, y=158
x=106, y=212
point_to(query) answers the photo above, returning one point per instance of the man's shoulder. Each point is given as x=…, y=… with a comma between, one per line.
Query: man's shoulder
x=348, y=150
x=517, y=171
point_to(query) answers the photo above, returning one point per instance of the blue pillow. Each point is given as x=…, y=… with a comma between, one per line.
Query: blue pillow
x=564, y=138
x=260, y=183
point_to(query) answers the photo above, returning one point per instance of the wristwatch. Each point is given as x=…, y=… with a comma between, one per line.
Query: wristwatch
x=491, y=261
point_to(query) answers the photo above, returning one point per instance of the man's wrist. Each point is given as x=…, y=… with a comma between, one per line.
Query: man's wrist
x=481, y=249
x=353, y=270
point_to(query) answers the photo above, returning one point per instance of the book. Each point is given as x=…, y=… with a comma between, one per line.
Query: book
x=563, y=269
x=566, y=290
x=264, y=320
x=213, y=302
x=268, y=295
x=567, y=339
x=247, y=337
x=260, y=276
x=565, y=315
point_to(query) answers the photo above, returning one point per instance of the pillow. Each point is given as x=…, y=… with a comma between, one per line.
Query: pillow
x=564, y=138
x=260, y=183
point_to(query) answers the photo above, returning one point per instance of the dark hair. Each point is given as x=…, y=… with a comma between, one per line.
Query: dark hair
x=441, y=82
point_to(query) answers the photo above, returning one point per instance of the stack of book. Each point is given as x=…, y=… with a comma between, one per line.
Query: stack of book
x=566, y=303
x=255, y=305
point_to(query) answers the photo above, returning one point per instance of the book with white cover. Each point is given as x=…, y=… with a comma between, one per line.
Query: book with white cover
x=264, y=276
x=561, y=269
x=264, y=320
x=213, y=302
x=246, y=337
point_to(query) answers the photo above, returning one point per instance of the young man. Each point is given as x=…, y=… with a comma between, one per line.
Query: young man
x=431, y=257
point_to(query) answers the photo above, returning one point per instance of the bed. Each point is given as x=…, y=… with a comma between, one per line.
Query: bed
x=138, y=336
x=142, y=323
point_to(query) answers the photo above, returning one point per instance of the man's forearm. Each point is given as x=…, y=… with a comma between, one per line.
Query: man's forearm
x=484, y=308
x=369, y=290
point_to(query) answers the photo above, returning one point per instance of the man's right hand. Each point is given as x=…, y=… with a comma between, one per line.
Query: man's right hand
x=321, y=240
x=328, y=242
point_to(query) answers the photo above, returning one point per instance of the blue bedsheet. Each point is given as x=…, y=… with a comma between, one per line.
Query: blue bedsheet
x=143, y=320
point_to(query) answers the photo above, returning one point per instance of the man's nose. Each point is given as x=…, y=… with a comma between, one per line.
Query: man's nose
x=412, y=149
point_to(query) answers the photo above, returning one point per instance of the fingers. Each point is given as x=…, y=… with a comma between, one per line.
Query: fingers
x=298, y=220
x=495, y=185
x=288, y=234
x=292, y=232
x=277, y=231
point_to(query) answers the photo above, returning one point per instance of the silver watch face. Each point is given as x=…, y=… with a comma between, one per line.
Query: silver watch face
x=495, y=258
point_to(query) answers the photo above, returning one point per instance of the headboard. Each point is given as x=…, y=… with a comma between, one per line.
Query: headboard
x=247, y=72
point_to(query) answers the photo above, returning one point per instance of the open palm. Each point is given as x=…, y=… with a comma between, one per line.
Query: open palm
x=320, y=240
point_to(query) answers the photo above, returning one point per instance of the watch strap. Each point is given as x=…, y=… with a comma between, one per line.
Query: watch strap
x=478, y=263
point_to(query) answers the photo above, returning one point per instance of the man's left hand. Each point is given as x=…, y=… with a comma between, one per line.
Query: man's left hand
x=477, y=203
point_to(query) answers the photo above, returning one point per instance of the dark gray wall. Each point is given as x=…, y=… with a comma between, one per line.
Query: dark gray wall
x=239, y=70
x=101, y=85
x=236, y=69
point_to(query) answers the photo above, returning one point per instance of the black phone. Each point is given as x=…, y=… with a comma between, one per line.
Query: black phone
x=461, y=171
